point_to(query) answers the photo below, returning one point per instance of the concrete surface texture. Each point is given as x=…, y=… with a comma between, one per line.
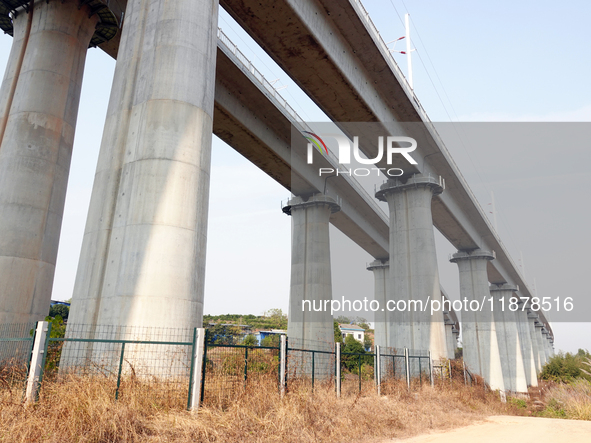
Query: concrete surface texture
x=381, y=273
x=511, y=429
x=508, y=338
x=311, y=323
x=540, y=338
x=143, y=254
x=527, y=348
x=534, y=340
x=479, y=333
x=413, y=264
x=451, y=340
x=39, y=104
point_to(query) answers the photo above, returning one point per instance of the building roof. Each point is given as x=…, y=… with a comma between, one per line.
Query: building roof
x=351, y=327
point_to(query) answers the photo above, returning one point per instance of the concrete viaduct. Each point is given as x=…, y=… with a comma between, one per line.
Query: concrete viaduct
x=178, y=80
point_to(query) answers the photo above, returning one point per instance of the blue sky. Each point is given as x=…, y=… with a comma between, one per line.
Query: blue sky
x=488, y=61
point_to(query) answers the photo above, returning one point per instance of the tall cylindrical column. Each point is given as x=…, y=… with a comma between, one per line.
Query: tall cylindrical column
x=527, y=348
x=508, y=338
x=39, y=106
x=143, y=255
x=414, y=277
x=310, y=320
x=531, y=320
x=450, y=338
x=540, y=338
x=479, y=334
x=381, y=271
x=546, y=340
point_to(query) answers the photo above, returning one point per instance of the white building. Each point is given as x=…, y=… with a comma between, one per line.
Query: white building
x=357, y=332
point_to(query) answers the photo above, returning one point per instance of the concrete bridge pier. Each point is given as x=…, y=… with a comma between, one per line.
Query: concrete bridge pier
x=531, y=320
x=479, y=334
x=310, y=322
x=540, y=338
x=546, y=341
x=527, y=348
x=38, y=109
x=509, y=339
x=381, y=271
x=413, y=264
x=143, y=255
x=450, y=338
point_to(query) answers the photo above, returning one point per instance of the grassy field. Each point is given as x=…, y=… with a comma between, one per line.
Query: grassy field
x=83, y=409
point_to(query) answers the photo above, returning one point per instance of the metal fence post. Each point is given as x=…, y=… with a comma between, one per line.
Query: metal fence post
x=198, y=374
x=378, y=364
x=338, y=368
x=420, y=373
x=407, y=365
x=359, y=370
x=192, y=370
x=119, y=372
x=37, y=362
x=282, y=364
x=204, y=365
x=431, y=369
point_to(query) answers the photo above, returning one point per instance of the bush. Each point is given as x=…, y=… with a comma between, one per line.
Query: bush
x=565, y=368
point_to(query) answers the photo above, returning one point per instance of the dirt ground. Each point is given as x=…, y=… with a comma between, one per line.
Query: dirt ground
x=509, y=429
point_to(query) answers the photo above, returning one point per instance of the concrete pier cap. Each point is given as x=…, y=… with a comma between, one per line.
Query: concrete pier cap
x=106, y=28
x=472, y=254
x=436, y=183
x=378, y=264
x=300, y=202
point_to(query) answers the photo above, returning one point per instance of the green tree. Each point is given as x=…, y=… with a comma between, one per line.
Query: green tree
x=271, y=341
x=250, y=340
x=351, y=362
x=223, y=334
x=567, y=367
x=62, y=310
x=277, y=317
x=338, y=336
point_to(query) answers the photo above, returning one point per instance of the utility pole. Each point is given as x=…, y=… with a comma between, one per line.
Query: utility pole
x=408, y=50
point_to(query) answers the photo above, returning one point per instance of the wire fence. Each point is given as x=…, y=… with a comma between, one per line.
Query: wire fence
x=16, y=345
x=230, y=367
x=163, y=362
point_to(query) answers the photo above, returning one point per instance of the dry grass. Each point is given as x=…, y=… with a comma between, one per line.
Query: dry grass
x=568, y=400
x=83, y=409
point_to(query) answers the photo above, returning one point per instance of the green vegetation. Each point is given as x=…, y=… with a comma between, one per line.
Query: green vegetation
x=62, y=310
x=250, y=340
x=271, y=341
x=338, y=337
x=351, y=362
x=565, y=368
x=272, y=319
x=569, y=392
